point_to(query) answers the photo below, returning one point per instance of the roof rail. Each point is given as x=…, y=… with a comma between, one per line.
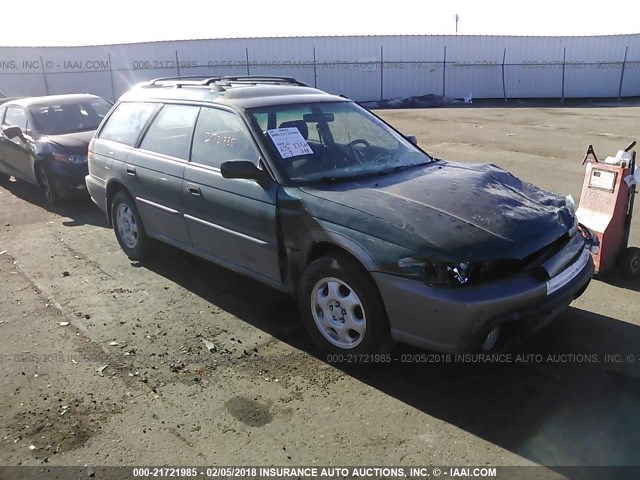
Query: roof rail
x=206, y=81
x=257, y=80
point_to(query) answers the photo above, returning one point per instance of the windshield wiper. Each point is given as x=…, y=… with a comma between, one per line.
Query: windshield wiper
x=399, y=167
x=342, y=178
x=375, y=173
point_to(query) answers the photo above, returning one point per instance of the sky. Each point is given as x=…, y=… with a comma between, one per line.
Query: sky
x=92, y=22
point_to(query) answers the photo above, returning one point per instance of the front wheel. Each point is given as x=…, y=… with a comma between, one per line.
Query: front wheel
x=128, y=226
x=48, y=185
x=341, y=307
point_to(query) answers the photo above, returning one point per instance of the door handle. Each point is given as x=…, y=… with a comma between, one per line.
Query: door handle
x=193, y=189
x=131, y=171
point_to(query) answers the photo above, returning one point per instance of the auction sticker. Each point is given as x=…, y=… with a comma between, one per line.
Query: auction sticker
x=289, y=142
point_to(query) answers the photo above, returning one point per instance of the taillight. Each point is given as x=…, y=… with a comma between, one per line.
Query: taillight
x=90, y=151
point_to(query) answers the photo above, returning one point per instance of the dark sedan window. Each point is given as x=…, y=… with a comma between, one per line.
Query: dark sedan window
x=69, y=117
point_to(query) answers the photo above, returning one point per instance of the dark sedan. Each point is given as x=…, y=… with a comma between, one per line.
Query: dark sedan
x=44, y=141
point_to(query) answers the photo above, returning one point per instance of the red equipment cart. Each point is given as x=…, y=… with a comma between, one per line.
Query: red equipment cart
x=606, y=208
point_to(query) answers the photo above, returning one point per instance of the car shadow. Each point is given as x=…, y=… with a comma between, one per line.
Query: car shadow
x=79, y=209
x=570, y=397
x=616, y=279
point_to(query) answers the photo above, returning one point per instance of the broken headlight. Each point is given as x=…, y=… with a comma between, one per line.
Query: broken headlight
x=453, y=273
x=571, y=206
x=459, y=273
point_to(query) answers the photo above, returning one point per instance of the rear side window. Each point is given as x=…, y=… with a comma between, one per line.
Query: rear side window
x=171, y=131
x=221, y=136
x=126, y=122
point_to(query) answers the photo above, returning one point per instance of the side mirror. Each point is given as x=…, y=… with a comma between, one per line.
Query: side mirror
x=12, y=132
x=242, y=169
x=412, y=139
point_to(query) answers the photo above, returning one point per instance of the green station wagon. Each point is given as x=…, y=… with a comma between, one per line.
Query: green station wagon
x=316, y=196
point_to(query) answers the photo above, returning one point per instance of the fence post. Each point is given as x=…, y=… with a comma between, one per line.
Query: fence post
x=315, y=69
x=44, y=76
x=381, y=73
x=504, y=88
x=113, y=88
x=624, y=62
x=444, y=72
x=564, y=63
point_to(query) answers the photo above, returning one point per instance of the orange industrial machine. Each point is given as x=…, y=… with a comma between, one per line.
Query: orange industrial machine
x=606, y=207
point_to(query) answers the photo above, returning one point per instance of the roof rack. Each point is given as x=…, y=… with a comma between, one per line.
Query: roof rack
x=224, y=81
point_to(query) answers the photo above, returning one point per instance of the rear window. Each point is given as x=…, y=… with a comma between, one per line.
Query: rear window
x=126, y=122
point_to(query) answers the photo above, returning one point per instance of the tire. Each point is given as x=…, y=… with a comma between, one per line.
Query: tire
x=335, y=293
x=128, y=226
x=630, y=262
x=48, y=185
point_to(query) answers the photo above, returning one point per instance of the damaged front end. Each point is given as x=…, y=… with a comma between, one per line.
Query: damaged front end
x=464, y=256
x=465, y=273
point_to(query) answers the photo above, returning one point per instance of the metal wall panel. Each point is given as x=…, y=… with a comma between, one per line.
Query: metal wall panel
x=364, y=68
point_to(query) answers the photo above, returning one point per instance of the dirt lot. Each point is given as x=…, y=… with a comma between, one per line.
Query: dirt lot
x=263, y=395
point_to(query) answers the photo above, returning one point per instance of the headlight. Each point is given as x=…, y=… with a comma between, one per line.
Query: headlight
x=459, y=273
x=571, y=205
x=454, y=273
x=72, y=159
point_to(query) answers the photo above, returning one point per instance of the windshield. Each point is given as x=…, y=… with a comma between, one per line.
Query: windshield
x=69, y=117
x=333, y=141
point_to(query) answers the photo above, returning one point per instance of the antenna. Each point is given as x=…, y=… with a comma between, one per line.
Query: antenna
x=456, y=18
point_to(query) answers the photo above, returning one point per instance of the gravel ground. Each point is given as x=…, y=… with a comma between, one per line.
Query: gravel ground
x=176, y=361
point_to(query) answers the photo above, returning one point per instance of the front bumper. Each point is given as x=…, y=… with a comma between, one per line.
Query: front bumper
x=69, y=179
x=457, y=319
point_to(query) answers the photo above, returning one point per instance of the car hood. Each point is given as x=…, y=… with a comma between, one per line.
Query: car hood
x=448, y=211
x=75, y=143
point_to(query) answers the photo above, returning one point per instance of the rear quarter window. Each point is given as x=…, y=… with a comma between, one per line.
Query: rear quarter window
x=126, y=122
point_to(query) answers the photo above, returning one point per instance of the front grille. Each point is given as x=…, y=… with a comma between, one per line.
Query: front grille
x=500, y=269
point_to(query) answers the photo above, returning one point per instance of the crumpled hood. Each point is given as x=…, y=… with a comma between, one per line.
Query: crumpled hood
x=449, y=211
x=75, y=143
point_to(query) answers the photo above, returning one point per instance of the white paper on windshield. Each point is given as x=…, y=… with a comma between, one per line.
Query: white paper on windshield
x=289, y=142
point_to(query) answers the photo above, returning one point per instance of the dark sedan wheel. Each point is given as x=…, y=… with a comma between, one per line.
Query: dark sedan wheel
x=341, y=307
x=128, y=226
x=47, y=185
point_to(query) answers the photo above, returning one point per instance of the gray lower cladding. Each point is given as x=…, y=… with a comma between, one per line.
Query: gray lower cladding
x=457, y=319
x=97, y=188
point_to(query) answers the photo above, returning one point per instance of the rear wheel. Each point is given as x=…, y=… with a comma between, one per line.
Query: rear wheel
x=341, y=307
x=48, y=185
x=630, y=262
x=128, y=226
